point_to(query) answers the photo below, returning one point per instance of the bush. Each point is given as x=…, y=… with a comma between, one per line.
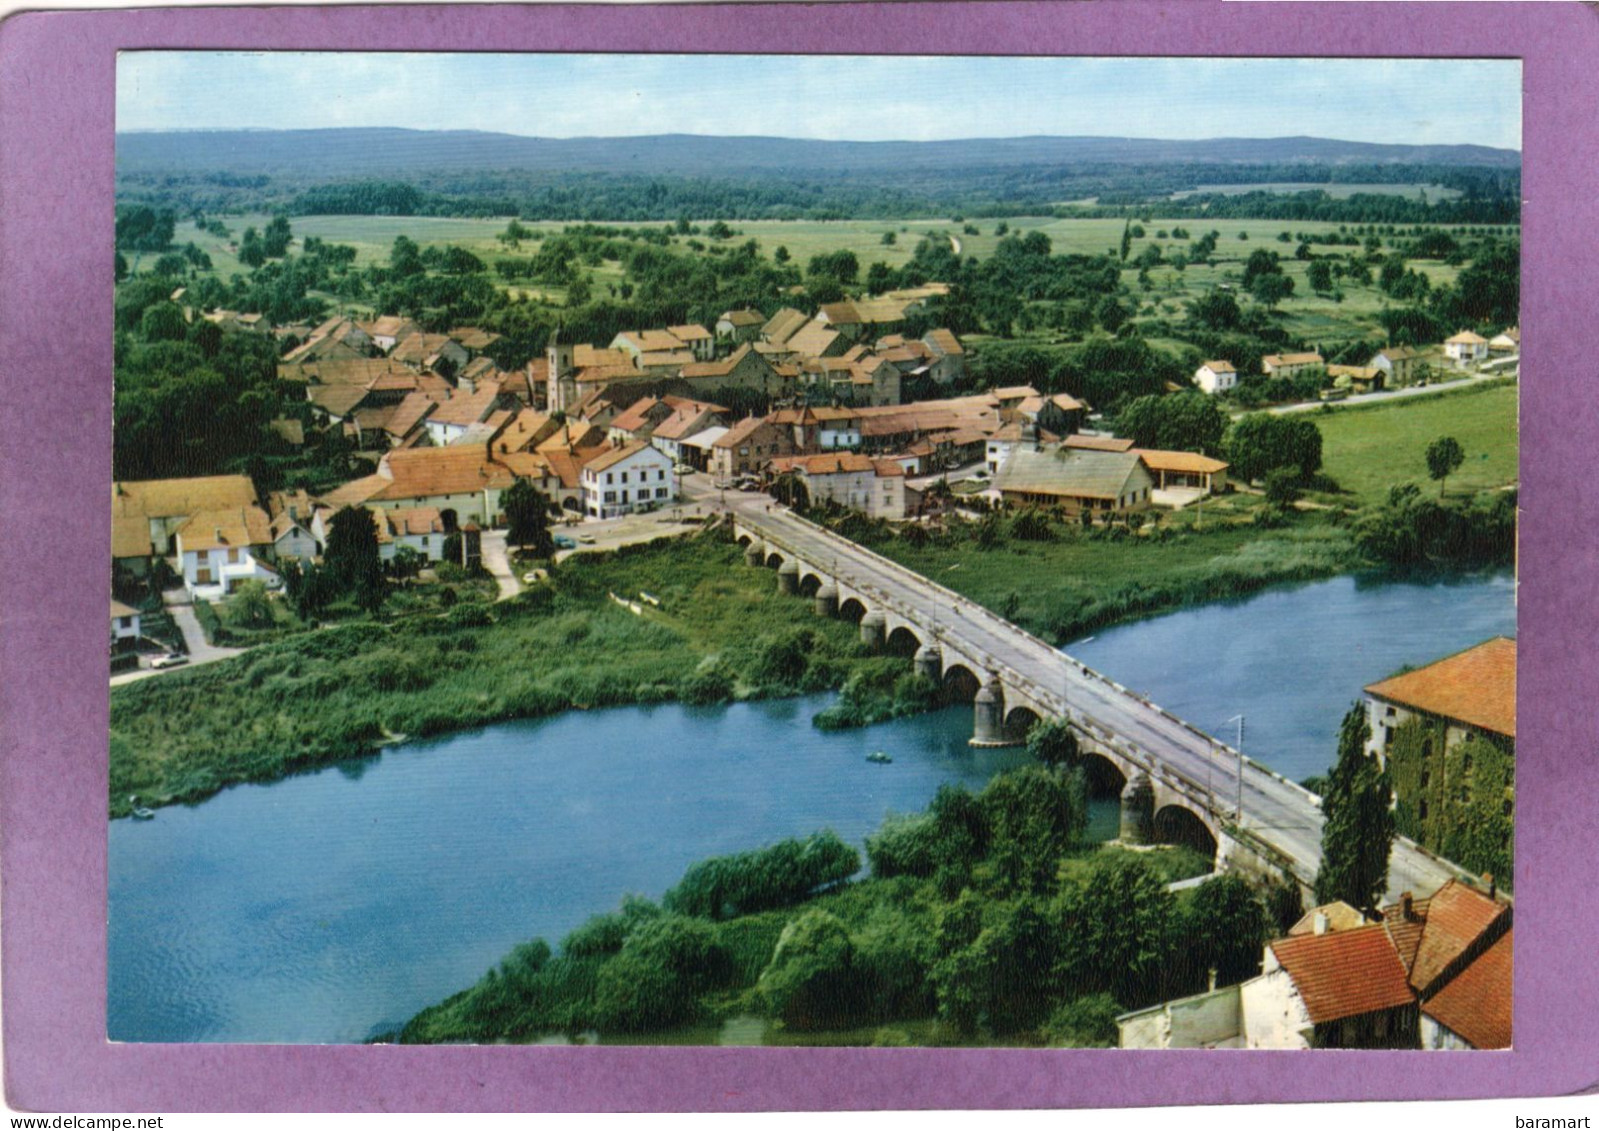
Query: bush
x=812, y=981
x=706, y=688
x=1086, y=1023
x=777, y=876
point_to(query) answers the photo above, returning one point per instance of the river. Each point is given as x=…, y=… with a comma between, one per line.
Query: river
x=331, y=906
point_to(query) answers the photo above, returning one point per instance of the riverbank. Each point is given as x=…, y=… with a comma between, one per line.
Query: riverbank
x=782, y=947
x=716, y=634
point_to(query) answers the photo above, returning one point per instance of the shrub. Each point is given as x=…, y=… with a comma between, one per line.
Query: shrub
x=812, y=982
x=1086, y=1023
x=706, y=688
x=777, y=876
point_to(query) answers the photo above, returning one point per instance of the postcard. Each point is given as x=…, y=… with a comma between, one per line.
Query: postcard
x=746, y=541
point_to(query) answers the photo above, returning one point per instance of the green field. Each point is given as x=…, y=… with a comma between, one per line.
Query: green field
x=1367, y=450
x=1433, y=193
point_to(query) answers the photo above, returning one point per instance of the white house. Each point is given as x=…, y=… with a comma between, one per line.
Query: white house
x=124, y=622
x=220, y=550
x=875, y=487
x=420, y=528
x=1507, y=342
x=1216, y=376
x=1465, y=348
x=625, y=480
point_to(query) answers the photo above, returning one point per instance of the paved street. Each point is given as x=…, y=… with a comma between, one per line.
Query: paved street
x=1444, y=385
x=497, y=561
x=1279, y=811
x=193, y=640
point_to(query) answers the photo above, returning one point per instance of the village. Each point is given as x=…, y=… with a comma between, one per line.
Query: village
x=637, y=427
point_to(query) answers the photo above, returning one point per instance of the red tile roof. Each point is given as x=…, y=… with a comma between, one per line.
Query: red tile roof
x=1345, y=973
x=1476, y=1002
x=1099, y=443
x=1456, y=916
x=1476, y=687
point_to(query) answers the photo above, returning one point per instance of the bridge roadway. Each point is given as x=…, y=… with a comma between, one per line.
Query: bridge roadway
x=1281, y=813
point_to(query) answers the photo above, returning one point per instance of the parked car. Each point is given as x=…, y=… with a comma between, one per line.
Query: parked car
x=586, y=539
x=685, y=469
x=169, y=660
x=564, y=542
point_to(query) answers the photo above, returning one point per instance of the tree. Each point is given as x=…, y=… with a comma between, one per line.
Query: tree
x=250, y=605
x=1127, y=240
x=1269, y=290
x=812, y=981
x=1282, y=488
x=780, y=255
x=1225, y=930
x=1053, y=742
x=252, y=253
x=1034, y=816
x=1319, y=274
x=1111, y=314
x=163, y=322
x=1261, y=442
x=1444, y=458
x=275, y=240
x=351, y=557
x=1217, y=310
x=1357, y=823
x=527, y=518
x=1117, y=930
x=405, y=258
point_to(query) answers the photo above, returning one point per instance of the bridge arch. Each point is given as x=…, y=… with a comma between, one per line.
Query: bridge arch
x=960, y=684
x=809, y=583
x=1105, y=778
x=744, y=539
x=902, y=642
x=851, y=609
x=1019, y=720
x=774, y=559
x=1177, y=824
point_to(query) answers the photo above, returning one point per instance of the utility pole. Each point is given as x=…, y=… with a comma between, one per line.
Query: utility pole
x=1238, y=813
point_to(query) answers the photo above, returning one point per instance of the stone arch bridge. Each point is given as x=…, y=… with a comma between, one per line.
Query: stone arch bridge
x=1177, y=783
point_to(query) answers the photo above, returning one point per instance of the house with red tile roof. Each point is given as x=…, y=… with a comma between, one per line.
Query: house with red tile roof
x=627, y=479
x=740, y=325
x=874, y=487
x=219, y=550
x=1447, y=734
x=1429, y=973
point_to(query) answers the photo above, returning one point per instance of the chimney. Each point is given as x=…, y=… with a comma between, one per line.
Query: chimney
x=1319, y=923
x=1407, y=907
x=1211, y=979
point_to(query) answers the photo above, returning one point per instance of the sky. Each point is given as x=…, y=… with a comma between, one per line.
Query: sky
x=1409, y=101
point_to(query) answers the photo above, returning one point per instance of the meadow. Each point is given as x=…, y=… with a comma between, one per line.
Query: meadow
x=1367, y=449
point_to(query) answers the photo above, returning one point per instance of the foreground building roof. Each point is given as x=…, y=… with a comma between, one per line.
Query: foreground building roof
x=1476, y=687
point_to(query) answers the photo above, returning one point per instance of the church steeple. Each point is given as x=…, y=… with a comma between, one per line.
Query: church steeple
x=561, y=392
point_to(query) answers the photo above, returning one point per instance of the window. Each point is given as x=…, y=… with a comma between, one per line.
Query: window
x=610, y=496
x=608, y=478
x=624, y=477
x=202, y=576
x=1421, y=809
x=202, y=555
x=1426, y=776
x=660, y=492
x=233, y=555
x=1510, y=806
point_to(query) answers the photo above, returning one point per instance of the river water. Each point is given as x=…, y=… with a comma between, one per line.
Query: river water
x=333, y=905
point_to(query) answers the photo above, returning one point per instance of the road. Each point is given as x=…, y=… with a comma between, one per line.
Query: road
x=1280, y=812
x=193, y=641
x=497, y=561
x=1452, y=384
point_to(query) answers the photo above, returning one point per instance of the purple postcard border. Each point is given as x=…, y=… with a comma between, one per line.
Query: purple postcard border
x=56, y=142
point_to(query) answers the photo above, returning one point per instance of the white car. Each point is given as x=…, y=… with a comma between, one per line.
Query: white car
x=168, y=660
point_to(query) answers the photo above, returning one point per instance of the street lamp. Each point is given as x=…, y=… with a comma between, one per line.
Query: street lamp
x=1239, y=811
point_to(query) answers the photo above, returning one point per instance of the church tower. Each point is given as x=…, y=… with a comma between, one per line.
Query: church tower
x=561, y=392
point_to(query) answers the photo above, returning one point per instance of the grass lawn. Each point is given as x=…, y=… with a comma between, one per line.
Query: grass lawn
x=1076, y=584
x=1367, y=449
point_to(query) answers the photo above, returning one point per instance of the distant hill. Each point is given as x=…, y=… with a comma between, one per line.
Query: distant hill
x=366, y=152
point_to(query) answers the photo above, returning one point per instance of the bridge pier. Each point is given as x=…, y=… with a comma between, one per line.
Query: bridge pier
x=930, y=662
x=1138, y=810
x=826, y=600
x=755, y=553
x=874, y=630
x=788, y=578
x=988, y=716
